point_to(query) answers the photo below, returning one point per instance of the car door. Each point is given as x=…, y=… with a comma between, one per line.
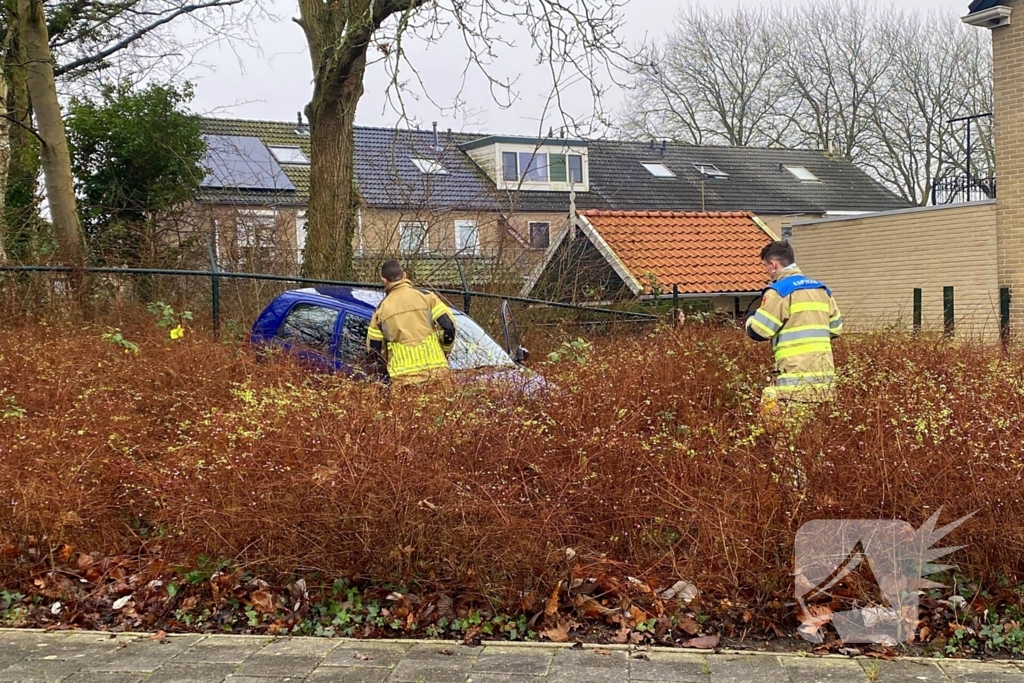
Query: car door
x=308, y=333
x=352, y=352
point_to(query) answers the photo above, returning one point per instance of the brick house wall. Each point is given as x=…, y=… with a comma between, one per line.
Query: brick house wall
x=874, y=263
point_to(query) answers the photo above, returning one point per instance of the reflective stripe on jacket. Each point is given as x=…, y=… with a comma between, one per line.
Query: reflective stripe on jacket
x=800, y=326
x=406, y=322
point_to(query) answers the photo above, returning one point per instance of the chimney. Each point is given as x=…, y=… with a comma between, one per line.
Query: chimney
x=664, y=146
x=435, y=135
x=449, y=136
x=551, y=132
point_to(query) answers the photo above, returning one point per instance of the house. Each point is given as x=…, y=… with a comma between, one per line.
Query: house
x=949, y=268
x=609, y=255
x=491, y=208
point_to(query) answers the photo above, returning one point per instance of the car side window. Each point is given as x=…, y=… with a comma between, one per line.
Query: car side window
x=309, y=326
x=352, y=345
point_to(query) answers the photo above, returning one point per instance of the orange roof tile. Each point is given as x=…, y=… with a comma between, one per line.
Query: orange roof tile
x=702, y=253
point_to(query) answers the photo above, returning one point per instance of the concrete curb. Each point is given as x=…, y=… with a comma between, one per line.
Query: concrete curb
x=520, y=645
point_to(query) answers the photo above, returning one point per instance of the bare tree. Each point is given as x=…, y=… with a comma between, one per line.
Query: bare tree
x=575, y=37
x=868, y=83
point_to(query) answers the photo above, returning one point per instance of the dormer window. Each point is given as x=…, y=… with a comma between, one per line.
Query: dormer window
x=290, y=155
x=428, y=167
x=711, y=171
x=523, y=164
x=530, y=167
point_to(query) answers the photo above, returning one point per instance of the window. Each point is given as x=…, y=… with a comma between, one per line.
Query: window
x=510, y=166
x=255, y=228
x=474, y=349
x=540, y=235
x=802, y=173
x=711, y=171
x=659, y=170
x=412, y=237
x=300, y=234
x=534, y=167
x=352, y=343
x=428, y=167
x=575, y=168
x=309, y=326
x=467, y=237
x=290, y=155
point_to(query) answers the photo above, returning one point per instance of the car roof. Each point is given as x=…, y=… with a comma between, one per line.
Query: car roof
x=358, y=297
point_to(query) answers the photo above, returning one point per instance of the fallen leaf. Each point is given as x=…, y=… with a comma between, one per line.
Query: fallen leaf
x=84, y=562
x=924, y=634
x=121, y=602
x=747, y=616
x=159, y=635
x=263, y=602
x=362, y=657
x=599, y=651
x=850, y=651
x=703, y=643
x=591, y=608
x=813, y=619
x=55, y=608
x=551, y=607
x=64, y=553
x=689, y=626
x=683, y=590
x=622, y=637
x=558, y=634
x=445, y=652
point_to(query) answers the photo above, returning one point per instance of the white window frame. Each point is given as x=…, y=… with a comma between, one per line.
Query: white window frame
x=658, y=169
x=542, y=156
x=429, y=167
x=568, y=169
x=247, y=236
x=300, y=235
x=529, y=235
x=293, y=156
x=464, y=228
x=711, y=171
x=802, y=174
x=422, y=246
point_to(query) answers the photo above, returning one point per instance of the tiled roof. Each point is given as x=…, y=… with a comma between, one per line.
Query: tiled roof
x=757, y=182
x=703, y=253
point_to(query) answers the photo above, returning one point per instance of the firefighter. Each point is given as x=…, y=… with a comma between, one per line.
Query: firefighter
x=412, y=331
x=800, y=318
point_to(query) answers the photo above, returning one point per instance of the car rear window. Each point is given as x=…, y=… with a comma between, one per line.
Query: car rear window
x=310, y=327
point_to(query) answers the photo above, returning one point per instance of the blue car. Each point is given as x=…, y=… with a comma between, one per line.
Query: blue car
x=325, y=327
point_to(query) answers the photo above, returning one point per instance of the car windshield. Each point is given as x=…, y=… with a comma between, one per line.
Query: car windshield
x=473, y=347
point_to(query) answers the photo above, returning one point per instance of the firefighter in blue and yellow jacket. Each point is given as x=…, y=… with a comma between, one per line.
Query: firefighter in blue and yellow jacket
x=412, y=331
x=800, y=318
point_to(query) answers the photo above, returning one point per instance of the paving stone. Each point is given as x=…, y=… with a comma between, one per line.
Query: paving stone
x=505, y=678
x=978, y=672
x=226, y=653
x=88, y=677
x=381, y=655
x=591, y=658
x=744, y=668
x=587, y=674
x=435, y=652
x=660, y=666
x=17, y=645
x=277, y=665
x=299, y=647
x=191, y=673
x=455, y=670
x=39, y=671
x=822, y=670
x=263, y=679
x=143, y=656
x=902, y=671
x=508, y=660
x=336, y=674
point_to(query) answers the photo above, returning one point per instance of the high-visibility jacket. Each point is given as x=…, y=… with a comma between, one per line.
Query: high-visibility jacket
x=800, y=318
x=411, y=324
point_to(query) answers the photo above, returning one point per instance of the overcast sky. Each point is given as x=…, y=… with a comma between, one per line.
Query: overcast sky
x=275, y=82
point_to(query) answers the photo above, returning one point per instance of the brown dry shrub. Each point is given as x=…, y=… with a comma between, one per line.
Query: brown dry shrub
x=647, y=460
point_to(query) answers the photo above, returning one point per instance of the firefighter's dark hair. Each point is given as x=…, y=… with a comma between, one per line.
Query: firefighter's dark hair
x=779, y=251
x=392, y=271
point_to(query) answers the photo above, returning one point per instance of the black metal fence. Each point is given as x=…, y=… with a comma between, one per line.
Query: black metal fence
x=958, y=189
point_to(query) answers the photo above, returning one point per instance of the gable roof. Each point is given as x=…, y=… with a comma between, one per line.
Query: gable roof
x=757, y=178
x=702, y=253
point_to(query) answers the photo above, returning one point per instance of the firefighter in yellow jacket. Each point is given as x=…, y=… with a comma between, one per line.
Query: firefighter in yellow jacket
x=800, y=318
x=412, y=330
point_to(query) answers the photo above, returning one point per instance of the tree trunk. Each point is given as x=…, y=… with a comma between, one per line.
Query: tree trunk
x=332, y=197
x=56, y=158
x=5, y=155
x=21, y=205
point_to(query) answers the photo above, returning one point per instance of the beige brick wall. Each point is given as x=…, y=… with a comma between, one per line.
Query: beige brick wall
x=873, y=264
x=1008, y=57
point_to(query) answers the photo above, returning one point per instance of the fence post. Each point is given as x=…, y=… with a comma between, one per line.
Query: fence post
x=466, y=298
x=948, y=311
x=918, y=313
x=675, y=305
x=1004, y=314
x=214, y=288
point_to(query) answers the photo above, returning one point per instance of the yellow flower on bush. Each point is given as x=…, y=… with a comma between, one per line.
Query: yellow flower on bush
x=177, y=332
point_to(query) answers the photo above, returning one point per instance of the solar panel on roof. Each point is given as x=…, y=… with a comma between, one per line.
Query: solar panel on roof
x=241, y=162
